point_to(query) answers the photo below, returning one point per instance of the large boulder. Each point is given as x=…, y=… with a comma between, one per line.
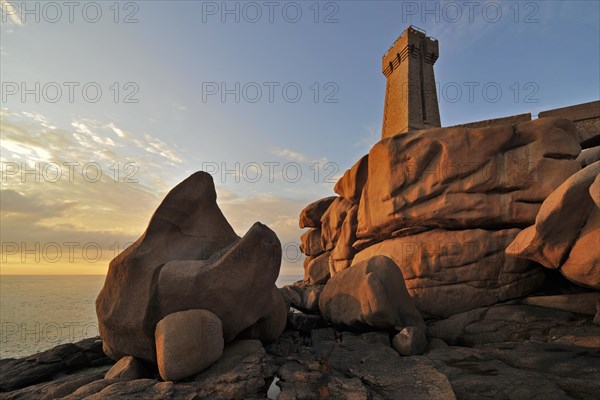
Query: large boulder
x=371, y=293
x=189, y=257
x=187, y=225
x=460, y=178
x=188, y=342
x=566, y=233
x=447, y=272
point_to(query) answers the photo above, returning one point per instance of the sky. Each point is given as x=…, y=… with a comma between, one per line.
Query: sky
x=108, y=105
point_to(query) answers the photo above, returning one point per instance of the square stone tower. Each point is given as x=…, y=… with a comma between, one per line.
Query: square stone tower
x=410, y=94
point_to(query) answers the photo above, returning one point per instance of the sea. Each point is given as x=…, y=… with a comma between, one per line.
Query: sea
x=39, y=312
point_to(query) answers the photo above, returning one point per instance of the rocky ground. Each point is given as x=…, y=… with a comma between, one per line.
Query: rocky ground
x=545, y=346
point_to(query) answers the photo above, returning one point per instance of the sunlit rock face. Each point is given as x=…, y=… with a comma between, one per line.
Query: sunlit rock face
x=370, y=293
x=566, y=233
x=189, y=258
x=460, y=178
x=444, y=204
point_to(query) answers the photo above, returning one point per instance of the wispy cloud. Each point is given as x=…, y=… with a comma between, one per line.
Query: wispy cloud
x=107, y=209
x=289, y=154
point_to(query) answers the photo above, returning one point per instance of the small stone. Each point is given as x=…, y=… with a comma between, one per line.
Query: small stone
x=188, y=342
x=129, y=368
x=410, y=341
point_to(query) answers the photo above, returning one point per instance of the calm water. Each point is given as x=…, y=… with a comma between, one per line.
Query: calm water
x=40, y=312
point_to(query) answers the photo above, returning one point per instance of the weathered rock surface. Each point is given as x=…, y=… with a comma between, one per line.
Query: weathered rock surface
x=371, y=293
x=566, y=232
x=518, y=352
x=195, y=282
x=187, y=225
x=445, y=203
x=269, y=327
x=332, y=220
x=316, y=269
x=305, y=323
x=302, y=296
x=243, y=372
x=343, y=252
x=351, y=184
x=458, y=178
x=65, y=358
x=343, y=365
x=516, y=371
x=310, y=216
x=410, y=341
x=311, y=243
x=188, y=342
x=516, y=322
x=581, y=303
x=589, y=156
x=447, y=272
x=245, y=270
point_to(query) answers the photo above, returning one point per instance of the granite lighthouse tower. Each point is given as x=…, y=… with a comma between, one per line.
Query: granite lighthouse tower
x=410, y=95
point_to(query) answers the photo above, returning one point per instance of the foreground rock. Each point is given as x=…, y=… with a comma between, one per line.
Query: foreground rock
x=343, y=365
x=44, y=366
x=188, y=258
x=515, y=371
x=187, y=225
x=566, y=233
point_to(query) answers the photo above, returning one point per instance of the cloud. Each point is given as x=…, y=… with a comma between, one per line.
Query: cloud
x=289, y=154
x=157, y=146
x=62, y=199
x=16, y=203
x=107, y=185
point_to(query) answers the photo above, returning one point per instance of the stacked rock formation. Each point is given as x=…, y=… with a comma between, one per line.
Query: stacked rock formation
x=566, y=233
x=443, y=205
x=189, y=285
